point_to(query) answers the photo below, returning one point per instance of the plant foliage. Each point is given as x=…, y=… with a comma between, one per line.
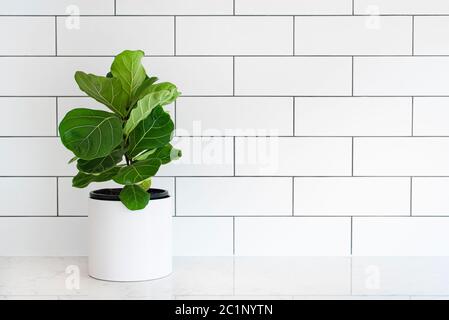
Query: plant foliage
x=128, y=144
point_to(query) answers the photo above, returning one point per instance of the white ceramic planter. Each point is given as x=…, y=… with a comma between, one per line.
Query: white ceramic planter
x=129, y=245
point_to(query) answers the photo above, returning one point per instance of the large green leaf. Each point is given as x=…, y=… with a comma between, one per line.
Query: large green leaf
x=100, y=165
x=134, y=197
x=138, y=171
x=144, y=88
x=144, y=108
x=153, y=132
x=166, y=154
x=105, y=90
x=91, y=134
x=82, y=180
x=127, y=67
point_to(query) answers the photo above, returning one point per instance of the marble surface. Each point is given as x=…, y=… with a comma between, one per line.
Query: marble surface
x=236, y=278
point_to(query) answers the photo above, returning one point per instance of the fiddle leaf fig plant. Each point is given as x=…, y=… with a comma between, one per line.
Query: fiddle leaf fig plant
x=129, y=144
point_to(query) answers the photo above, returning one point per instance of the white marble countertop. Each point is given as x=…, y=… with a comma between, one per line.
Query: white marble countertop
x=236, y=278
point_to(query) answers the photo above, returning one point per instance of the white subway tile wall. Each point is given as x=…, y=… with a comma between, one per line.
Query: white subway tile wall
x=308, y=127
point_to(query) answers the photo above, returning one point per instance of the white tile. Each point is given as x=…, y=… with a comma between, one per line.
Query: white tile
x=293, y=156
x=293, y=7
x=312, y=76
x=292, y=236
x=25, y=75
x=431, y=116
x=112, y=35
x=234, y=35
x=56, y=236
x=430, y=196
x=208, y=156
x=401, y=76
x=194, y=75
x=353, y=116
x=217, y=116
x=28, y=116
x=74, y=201
x=27, y=35
x=352, y=196
x=401, y=7
x=57, y=7
x=174, y=7
x=404, y=236
x=34, y=157
x=293, y=276
x=203, y=236
x=353, y=35
x=431, y=35
x=401, y=156
x=234, y=196
x=28, y=196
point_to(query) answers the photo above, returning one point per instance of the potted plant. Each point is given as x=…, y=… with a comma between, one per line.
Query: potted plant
x=129, y=227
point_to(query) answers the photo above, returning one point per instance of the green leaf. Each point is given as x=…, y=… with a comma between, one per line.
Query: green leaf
x=153, y=132
x=100, y=164
x=144, y=89
x=73, y=160
x=127, y=67
x=91, y=134
x=105, y=90
x=137, y=172
x=134, y=197
x=166, y=154
x=145, y=184
x=144, y=108
x=82, y=180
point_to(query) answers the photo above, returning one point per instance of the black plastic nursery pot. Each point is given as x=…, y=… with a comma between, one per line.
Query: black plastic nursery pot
x=112, y=194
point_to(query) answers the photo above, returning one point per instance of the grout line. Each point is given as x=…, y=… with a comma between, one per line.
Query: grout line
x=352, y=79
x=174, y=116
x=230, y=15
x=57, y=117
x=56, y=36
x=272, y=137
x=115, y=7
x=293, y=196
x=246, y=176
x=233, y=142
x=294, y=116
x=413, y=116
x=175, y=201
x=174, y=36
x=413, y=35
x=233, y=7
x=352, y=156
x=208, y=56
x=233, y=76
x=57, y=196
x=254, y=216
x=233, y=235
x=352, y=231
x=411, y=196
x=243, y=96
x=294, y=36
x=353, y=8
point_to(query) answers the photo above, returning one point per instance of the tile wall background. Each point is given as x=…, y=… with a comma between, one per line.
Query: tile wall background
x=309, y=127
